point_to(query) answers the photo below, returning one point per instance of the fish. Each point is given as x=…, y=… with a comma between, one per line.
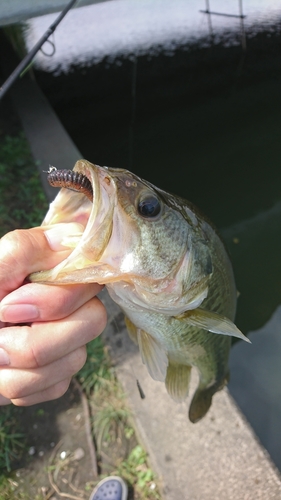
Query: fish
x=163, y=262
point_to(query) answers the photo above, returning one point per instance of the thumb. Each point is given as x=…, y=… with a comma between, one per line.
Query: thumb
x=25, y=251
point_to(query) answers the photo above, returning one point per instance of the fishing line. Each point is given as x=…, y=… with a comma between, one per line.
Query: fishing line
x=29, y=57
x=133, y=111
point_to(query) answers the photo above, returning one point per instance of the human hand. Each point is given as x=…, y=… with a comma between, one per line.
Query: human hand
x=43, y=328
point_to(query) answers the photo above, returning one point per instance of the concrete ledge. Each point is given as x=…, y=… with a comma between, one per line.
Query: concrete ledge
x=217, y=458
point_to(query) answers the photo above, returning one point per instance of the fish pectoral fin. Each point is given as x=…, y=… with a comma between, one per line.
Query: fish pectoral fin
x=212, y=322
x=177, y=381
x=153, y=355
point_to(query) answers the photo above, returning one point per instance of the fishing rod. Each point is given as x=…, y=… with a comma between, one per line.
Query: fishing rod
x=28, y=58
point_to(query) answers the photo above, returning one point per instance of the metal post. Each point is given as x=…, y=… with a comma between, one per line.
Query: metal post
x=243, y=34
x=209, y=20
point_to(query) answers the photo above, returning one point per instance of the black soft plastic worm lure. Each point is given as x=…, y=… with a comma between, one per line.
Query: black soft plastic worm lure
x=70, y=180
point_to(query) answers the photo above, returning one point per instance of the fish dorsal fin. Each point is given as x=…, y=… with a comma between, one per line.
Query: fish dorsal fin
x=212, y=322
x=153, y=355
x=177, y=381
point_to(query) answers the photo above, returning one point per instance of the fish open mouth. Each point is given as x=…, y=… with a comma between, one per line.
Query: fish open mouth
x=87, y=198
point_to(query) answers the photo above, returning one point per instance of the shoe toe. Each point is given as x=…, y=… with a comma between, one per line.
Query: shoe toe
x=110, y=489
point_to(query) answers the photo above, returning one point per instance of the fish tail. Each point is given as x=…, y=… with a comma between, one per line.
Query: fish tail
x=202, y=399
x=200, y=404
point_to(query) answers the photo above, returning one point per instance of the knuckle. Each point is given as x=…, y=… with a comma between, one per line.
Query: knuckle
x=29, y=353
x=100, y=318
x=9, y=386
x=77, y=359
x=36, y=360
x=12, y=242
x=58, y=390
x=11, y=239
x=9, y=244
x=59, y=303
x=103, y=318
x=49, y=394
x=23, y=346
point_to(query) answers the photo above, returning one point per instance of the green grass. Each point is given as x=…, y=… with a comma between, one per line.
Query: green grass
x=97, y=372
x=23, y=203
x=106, y=398
x=136, y=471
x=11, y=441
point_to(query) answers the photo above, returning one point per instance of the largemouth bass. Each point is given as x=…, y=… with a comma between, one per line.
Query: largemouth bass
x=162, y=262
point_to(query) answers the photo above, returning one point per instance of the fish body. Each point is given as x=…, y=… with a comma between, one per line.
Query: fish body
x=167, y=268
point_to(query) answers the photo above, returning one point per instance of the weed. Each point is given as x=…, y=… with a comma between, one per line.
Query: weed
x=111, y=414
x=11, y=441
x=96, y=373
x=10, y=489
x=15, y=33
x=137, y=473
x=22, y=201
x=106, y=398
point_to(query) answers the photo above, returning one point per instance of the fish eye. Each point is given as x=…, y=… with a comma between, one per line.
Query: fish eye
x=149, y=206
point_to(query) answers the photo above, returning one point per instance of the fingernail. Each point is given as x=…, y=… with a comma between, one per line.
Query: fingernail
x=64, y=235
x=4, y=357
x=16, y=313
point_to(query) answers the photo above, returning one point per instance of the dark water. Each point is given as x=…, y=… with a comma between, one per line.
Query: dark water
x=204, y=123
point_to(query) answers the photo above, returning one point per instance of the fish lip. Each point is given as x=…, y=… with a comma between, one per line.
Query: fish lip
x=95, y=217
x=82, y=167
x=104, y=200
